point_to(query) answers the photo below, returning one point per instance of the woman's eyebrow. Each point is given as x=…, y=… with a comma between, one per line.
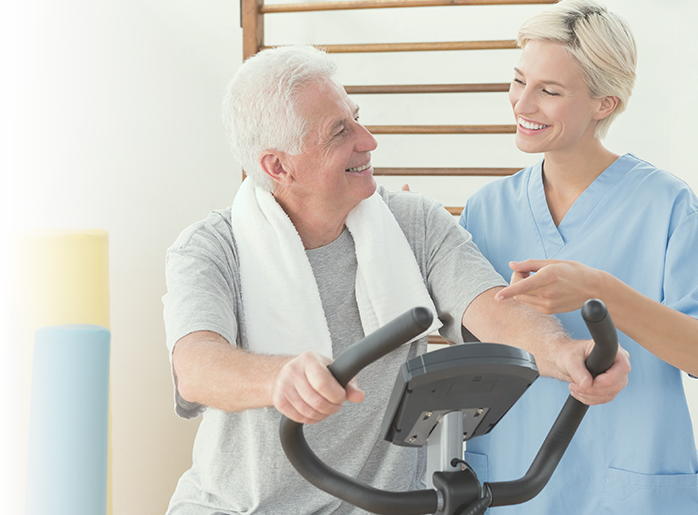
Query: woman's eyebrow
x=547, y=82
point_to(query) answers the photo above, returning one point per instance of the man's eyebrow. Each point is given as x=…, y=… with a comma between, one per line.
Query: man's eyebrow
x=340, y=123
x=336, y=126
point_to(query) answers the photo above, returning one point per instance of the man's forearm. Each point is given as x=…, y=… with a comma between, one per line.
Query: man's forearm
x=512, y=323
x=212, y=372
x=557, y=355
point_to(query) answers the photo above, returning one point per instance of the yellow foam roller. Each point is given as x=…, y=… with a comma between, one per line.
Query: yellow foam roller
x=49, y=277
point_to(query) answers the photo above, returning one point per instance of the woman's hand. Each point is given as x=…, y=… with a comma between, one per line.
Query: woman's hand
x=551, y=286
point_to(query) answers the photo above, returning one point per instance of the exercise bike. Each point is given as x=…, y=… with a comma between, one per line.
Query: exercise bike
x=441, y=399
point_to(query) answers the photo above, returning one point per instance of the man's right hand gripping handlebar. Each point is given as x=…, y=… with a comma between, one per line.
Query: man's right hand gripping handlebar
x=306, y=391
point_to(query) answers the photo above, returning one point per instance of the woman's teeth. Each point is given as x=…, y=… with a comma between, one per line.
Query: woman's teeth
x=530, y=125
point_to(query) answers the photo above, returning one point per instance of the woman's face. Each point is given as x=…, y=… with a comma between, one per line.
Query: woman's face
x=551, y=102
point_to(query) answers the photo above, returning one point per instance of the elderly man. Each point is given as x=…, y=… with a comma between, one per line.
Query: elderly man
x=311, y=257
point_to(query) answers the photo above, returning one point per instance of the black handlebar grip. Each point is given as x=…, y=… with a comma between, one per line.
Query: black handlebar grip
x=392, y=335
x=605, y=337
x=541, y=470
x=347, y=365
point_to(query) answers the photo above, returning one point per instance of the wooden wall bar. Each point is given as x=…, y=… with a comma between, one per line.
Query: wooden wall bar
x=427, y=88
x=442, y=129
x=384, y=4
x=438, y=46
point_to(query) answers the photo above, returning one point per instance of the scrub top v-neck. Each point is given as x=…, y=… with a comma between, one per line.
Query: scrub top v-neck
x=554, y=238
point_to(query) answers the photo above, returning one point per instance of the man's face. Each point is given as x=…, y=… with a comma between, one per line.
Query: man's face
x=334, y=169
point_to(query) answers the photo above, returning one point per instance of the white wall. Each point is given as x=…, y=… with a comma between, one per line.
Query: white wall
x=110, y=119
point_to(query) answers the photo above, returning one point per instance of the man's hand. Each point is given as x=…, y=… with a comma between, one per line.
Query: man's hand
x=306, y=391
x=604, y=387
x=557, y=355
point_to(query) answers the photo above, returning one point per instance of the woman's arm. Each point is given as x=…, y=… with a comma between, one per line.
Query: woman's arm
x=563, y=286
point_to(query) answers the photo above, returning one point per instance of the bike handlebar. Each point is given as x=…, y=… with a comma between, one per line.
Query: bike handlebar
x=347, y=365
x=603, y=332
x=600, y=359
x=393, y=335
x=379, y=343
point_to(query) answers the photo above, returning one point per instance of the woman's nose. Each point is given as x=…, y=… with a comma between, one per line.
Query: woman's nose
x=522, y=100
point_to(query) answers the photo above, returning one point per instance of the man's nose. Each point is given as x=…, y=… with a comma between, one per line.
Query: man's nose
x=366, y=142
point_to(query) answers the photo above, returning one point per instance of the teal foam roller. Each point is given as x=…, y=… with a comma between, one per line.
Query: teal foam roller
x=69, y=421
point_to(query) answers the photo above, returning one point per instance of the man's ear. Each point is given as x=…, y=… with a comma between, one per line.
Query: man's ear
x=272, y=162
x=606, y=107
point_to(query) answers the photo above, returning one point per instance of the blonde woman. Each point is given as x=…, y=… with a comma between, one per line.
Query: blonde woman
x=582, y=223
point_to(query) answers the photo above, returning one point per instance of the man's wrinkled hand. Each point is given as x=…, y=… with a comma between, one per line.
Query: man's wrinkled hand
x=306, y=391
x=604, y=387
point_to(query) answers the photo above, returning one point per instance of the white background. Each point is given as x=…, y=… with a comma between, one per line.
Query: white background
x=111, y=119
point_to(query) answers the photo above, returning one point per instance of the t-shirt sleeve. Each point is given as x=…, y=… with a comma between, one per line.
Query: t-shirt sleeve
x=457, y=272
x=201, y=290
x=454, y=269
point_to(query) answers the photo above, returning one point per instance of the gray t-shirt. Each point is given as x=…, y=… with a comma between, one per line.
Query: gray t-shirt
x=238, y=464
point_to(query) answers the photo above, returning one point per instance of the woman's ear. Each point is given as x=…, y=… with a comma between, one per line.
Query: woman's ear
x=272, y=162
x=606, y=107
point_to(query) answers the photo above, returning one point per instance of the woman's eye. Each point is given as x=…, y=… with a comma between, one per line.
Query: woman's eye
x=518, y=81
x=551, y=93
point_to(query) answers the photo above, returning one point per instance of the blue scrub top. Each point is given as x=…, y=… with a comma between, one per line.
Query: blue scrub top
x=637, y=454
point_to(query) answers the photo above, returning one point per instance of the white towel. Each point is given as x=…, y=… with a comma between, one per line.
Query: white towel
x=283, y=311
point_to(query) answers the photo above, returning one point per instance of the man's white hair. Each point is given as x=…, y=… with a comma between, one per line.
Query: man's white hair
x=599, y=40
x=260, y=109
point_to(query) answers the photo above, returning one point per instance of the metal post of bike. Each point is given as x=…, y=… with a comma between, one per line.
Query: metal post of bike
x=445, y=445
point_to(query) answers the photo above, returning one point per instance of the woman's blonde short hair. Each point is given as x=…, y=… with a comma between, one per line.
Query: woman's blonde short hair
x=600, y=41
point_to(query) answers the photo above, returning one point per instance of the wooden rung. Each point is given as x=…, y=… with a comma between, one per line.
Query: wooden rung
x=458, y=172
x=436, y=339
x=441, y=129
x=418, y=47
x=427, y=88
x=384, y=4
x=455, y=211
